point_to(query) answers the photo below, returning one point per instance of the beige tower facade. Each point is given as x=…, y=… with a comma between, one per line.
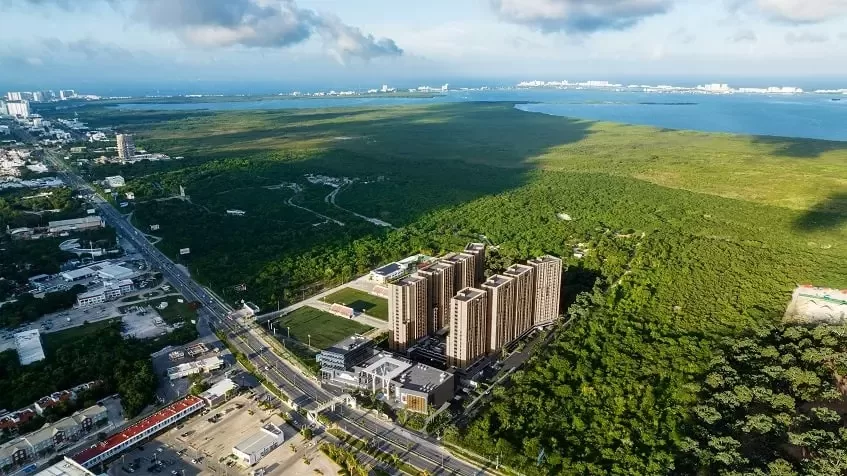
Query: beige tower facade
x=441, y=281
x=464, y=273
x=478, y=250
x=548, y=285
x=501, y=310
x=126, y=146
x=468, y=339
x=408, y=312
x=524, y=283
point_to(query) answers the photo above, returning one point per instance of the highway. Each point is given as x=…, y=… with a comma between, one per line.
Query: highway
x=304, y=392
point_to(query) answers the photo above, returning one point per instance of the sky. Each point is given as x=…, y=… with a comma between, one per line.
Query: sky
x=365, y=43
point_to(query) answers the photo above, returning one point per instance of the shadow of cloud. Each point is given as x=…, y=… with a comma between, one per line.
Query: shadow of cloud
x=826, y=215
x=799, y=148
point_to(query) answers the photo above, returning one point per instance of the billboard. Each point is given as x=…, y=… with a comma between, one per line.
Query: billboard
x=184, y=251
x=90, y=211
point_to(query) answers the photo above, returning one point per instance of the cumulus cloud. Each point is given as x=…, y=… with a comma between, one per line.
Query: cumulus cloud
x=578, y=16
x=742, y=36
x=249, y=23
x=796, y=11
x=805, y=37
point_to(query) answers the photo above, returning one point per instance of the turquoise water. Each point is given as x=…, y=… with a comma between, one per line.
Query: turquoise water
x=809, y=116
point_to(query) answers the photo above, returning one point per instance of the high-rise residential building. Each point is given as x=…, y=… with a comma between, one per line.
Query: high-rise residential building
x=501, y=310
x=478, y=250
x=65, y=94
x=14, y=96
x=524, y=283
x=468, y=339
x=548, y=285
x=37, y=96
x=126, y=146
x=18, y=108
x=441, y=282
x=408, y=312
x=3, y=110
x=464, y=269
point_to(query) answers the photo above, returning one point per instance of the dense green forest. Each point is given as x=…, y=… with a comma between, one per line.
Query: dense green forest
x=123, y=365
x=694, y=239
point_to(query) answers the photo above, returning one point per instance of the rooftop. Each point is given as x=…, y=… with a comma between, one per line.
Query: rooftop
x=134, y=430
x=353, y=342
x=497, y=280
x=388, y=269
x=469, y=294
x=66, y=467
x=386, y=366
x=422, y=378
x=410, y=280
x=267, y=436
x=518, y=269
x=28, y=344
x=74, y=221
x=220, y=389
x=544, y=259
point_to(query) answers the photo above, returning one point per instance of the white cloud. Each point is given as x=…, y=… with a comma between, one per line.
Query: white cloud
x=578, y=16
x=799, y=11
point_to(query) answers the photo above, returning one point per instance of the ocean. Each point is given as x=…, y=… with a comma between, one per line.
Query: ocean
x=814, y=116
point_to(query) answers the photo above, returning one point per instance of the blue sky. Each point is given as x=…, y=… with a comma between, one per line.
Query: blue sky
x=366, y=42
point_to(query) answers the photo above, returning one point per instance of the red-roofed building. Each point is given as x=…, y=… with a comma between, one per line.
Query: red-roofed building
x=137, y=432
x=15, y=419
x=53, y=400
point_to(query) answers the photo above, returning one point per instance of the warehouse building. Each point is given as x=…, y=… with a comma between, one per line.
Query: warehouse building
x=258, y=445
x=75, y=224
x=28, y=345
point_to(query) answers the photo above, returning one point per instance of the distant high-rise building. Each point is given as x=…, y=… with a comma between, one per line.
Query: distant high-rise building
x=441, y=282
x=501, y=310
x=524, y=282
x=408, y=312
x=126, y=146
x=14, y=96
x=18, y=108
x=65, y=94
x=37, y=96
x=49, y=95
x=548, y=286
x=468, y=339
x=3, y=110
x=464, y=269
x=478, y=250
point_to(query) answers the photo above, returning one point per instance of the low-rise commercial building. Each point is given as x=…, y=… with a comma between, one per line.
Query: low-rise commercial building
x=388, y=272
x=106, y=293
x=191, y=368
x=219, y=392
x=115, y=181
x=66, y=467
x=258, y=445
x=413, y=386
x=138, y=432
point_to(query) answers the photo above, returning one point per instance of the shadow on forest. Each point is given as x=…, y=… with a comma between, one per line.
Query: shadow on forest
x=577, y=280
x=829, y=214
x=799, y=148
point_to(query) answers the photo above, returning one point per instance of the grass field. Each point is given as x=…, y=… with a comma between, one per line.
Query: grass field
x=176, y=311
x=360, y=301
x=54, y=340
x=325, y=328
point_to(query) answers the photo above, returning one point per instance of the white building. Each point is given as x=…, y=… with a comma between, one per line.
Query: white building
x=18, y=108
x=191, y=368
x=13, y=96
x=115, y=181
x=65, y=94
x=28, y=345
x=75, y=224
x=66, y=467
x=219, y=392
x=258, y=445
x=109, y=292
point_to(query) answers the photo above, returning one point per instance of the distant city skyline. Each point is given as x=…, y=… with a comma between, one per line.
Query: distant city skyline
x=48, y=43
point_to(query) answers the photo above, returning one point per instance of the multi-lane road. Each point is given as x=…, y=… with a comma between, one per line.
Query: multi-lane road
x=420, y=451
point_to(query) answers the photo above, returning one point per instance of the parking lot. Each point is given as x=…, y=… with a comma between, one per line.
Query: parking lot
x=199, y=446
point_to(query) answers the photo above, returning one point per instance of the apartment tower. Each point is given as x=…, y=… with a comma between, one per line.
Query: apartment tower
x=524, y=284
x=441, y=281
x=408, y=312
x=464, y=273
x=478, y=250
x=501, y=310
x=548, y=285
x=126, y=146
x=468, y=339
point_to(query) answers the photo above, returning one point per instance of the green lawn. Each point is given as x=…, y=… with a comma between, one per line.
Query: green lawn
x=176, y=311
x=325, y=328
x=360, y=301
x=54, y=340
